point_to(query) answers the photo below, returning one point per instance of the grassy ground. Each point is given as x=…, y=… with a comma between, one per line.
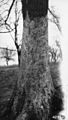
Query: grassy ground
x=8, y=76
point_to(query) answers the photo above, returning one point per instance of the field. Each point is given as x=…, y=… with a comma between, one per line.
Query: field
x=8, y=77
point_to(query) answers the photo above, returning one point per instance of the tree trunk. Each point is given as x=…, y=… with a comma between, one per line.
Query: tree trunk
x=31, y=100
x=35, y=86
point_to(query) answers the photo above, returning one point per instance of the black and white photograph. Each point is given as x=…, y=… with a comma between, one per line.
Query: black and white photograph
x=33, y=60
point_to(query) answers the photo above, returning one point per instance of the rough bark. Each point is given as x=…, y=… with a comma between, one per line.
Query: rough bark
x=34, y=75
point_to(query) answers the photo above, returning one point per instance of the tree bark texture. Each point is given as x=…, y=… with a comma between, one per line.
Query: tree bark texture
x=34, y=74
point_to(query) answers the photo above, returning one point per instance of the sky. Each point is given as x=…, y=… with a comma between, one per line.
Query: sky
x=61, y=7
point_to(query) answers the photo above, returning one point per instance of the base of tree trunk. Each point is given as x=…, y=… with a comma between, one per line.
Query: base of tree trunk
x=35, y=92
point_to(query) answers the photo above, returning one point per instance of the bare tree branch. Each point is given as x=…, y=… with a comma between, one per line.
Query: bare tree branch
x=5, y=31
x=55, y=19
x=57, y=24
x=52, y=14
x=8, y=27
x=8, y=48
x=9, y=10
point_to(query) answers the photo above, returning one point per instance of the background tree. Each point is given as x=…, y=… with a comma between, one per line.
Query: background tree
x=54, y=17
x=16, y=37
x=11, y=27
x=55, y=53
